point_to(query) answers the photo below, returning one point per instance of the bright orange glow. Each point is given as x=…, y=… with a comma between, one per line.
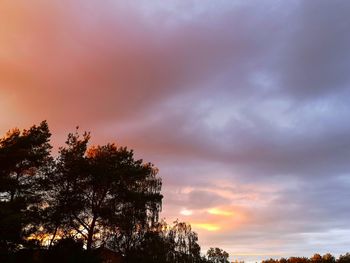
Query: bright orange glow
x=220, y=212
x=43, y=238
x=207, y=226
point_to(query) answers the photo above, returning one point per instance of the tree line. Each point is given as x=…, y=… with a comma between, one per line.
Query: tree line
x=84, y=201
x=316, y=258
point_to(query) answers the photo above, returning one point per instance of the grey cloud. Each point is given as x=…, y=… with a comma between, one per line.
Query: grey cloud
x=203, y=199
x=314, y=60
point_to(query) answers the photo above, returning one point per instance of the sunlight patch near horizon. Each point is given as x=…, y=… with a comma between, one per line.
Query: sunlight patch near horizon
x=220, y=212
x=207, y=226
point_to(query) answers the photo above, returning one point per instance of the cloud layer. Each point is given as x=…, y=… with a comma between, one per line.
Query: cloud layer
x=242, y=105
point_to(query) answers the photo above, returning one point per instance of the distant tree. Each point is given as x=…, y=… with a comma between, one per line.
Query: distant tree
x=283, y=260
x=217, y=255
x=153, y=246
x=298, y=260
x=271, y=260
x=168, y=243
x=184, y=240
x=316, y=258
x=344, y=258
x=328, y=258
x=24, y=158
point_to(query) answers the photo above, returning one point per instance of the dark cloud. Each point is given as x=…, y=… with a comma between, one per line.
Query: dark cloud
x=316, y=58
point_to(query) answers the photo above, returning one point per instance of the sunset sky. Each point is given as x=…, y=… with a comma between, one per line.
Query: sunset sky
x=244, y=106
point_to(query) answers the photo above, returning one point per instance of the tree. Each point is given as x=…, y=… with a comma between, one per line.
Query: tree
x=217, y=255
x=153, y=246
x=298, y=260
x=316, y=258
x=168, y=243
x=344, y=258
x=64, y=190
x=328, y=258
x=184, y=240
x=86, y=198
x=102, y=194
x=271, y=260
x=24, y=157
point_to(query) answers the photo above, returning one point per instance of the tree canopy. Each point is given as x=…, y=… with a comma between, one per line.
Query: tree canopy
x=24, y=159
x=101, y=193
x=217, y=255
x=84, y=200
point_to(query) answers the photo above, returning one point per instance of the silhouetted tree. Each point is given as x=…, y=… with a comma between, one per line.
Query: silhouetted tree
x=154, y=246
x=217, y=255
x=283, y=260
x=65, y=190
x=344, y=258
x=168, y=243
x=185, y=242
x=328, y=258
x=24, y=158
x=102, y=194
x=271, y=260
x=316, y=258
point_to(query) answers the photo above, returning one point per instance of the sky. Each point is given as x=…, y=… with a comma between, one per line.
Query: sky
x=242, y=105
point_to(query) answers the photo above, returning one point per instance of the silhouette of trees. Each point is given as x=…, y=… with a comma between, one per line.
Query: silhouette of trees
x=344, y=258
x=91, y=204
x=316, y=258
x=101, y=194
x=24, y=158
x=328, y=258
x=168, y=243
x=183, y=243
x=69, y=250
x=217, y=255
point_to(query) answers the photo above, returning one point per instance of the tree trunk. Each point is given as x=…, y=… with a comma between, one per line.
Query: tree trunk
x=91, y=233
x=53, y=237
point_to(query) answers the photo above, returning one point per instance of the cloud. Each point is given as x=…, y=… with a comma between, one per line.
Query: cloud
x=242, y=105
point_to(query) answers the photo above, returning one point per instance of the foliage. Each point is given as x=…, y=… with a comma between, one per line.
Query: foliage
x=217, y=255
x=85, y=198
x=344, y=258
x=24, y=158
x=316, y=258
x=101, y=194
x=168, y=243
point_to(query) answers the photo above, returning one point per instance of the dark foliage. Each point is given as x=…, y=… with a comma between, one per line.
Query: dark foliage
x=85, y=205
x=217, y=255
x=316, y=258
x=24, y=158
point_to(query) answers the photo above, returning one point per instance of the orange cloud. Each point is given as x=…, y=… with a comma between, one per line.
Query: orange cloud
x=206, y=226
x=220, y=212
